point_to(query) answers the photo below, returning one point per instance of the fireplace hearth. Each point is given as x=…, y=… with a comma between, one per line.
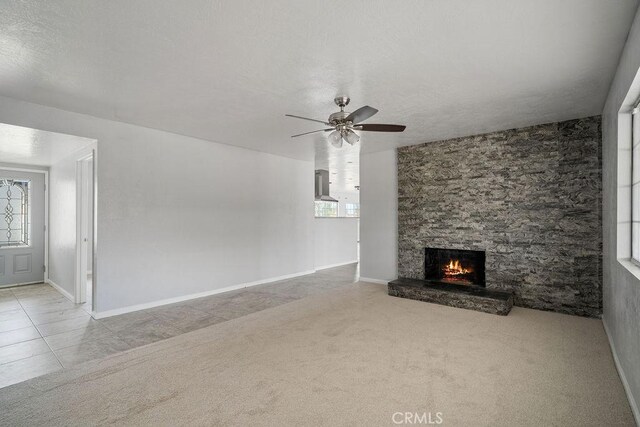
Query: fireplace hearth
x=456, y=278
x=454, y=266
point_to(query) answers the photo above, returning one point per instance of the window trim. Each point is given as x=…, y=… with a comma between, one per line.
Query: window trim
x=635, y=123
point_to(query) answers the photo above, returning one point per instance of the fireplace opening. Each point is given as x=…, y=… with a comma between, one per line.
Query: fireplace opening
x=455, y=266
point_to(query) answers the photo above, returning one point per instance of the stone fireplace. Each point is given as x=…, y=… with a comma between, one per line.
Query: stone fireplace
x=529, y=197
x=454, y=266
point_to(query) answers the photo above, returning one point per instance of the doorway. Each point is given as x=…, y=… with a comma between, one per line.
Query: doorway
x=85, y=232
x=31, y=253
x=23, y=212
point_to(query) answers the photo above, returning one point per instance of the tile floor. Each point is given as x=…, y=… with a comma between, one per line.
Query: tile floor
x=41, y=331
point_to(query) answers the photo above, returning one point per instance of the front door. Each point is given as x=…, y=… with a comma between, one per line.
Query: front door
x=21, y=227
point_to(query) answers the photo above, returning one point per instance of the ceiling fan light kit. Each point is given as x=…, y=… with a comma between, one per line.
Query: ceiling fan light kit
x=335, y=138
x=351, y=136
x=344, y=123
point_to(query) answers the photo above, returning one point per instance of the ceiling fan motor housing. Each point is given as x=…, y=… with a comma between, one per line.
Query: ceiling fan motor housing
x=338, y=118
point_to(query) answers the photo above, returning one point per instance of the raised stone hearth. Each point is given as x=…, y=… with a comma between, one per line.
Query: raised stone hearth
x=460, y=296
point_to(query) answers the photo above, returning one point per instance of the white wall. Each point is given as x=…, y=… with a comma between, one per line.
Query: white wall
x=180, y=216
x=62, y=221
x=621, y=284
x=336, y=241
x=379, y=216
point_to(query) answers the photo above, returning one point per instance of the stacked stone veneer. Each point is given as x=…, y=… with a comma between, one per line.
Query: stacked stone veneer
x=530, y=197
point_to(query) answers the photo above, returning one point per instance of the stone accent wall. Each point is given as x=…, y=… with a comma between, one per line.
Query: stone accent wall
x=530, y=197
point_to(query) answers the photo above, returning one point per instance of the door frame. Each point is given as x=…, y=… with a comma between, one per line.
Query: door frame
x=46, y=219
x=85, y=208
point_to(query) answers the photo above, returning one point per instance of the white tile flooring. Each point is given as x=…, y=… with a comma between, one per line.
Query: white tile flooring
x=24, y=353
x=41, y=331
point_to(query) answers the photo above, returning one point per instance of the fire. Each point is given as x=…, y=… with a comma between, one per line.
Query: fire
x=454, y=268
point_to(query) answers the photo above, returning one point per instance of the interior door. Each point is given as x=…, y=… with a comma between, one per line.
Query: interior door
x=21, y=227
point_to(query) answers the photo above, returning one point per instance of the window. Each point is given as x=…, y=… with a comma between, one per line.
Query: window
x=352, y=210
x=326, y=209
x=14, y=212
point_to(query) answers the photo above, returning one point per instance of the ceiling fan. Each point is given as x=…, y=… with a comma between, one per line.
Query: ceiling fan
x=343, y=124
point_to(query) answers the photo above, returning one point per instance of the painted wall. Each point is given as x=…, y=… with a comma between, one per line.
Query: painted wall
x=180, y=216
x=621, y=284
x=378, y=216
x=336, y=241
x=62, y=221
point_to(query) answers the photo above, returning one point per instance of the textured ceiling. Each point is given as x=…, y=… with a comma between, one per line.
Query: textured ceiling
x=228, y=71
x=20, y=145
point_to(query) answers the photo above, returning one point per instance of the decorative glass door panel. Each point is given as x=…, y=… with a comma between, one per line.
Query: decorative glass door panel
x=21, y=227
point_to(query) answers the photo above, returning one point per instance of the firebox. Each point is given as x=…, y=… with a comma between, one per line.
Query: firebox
x=455, y=266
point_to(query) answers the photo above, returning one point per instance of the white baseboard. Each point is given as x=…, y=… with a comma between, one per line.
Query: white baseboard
x=370, y=280
x=324, y=267
x=129, y=309
x=625, y=383
x=59, y=288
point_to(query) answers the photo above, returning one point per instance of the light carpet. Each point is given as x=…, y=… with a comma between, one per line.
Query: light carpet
x=349, y=357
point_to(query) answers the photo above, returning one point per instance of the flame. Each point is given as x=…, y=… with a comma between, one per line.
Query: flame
x=454, y=268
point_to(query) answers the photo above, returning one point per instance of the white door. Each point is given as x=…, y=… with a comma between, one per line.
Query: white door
x=21, y=227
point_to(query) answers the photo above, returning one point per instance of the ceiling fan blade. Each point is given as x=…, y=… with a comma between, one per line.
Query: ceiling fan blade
x=313, y=131
x=306, y=118
x=380, y=128
x=361, y=114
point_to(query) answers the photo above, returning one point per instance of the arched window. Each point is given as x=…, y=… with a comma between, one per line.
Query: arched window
x=14, y=212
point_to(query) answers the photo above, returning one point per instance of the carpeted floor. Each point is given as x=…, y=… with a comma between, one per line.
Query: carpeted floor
x=349, y=357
